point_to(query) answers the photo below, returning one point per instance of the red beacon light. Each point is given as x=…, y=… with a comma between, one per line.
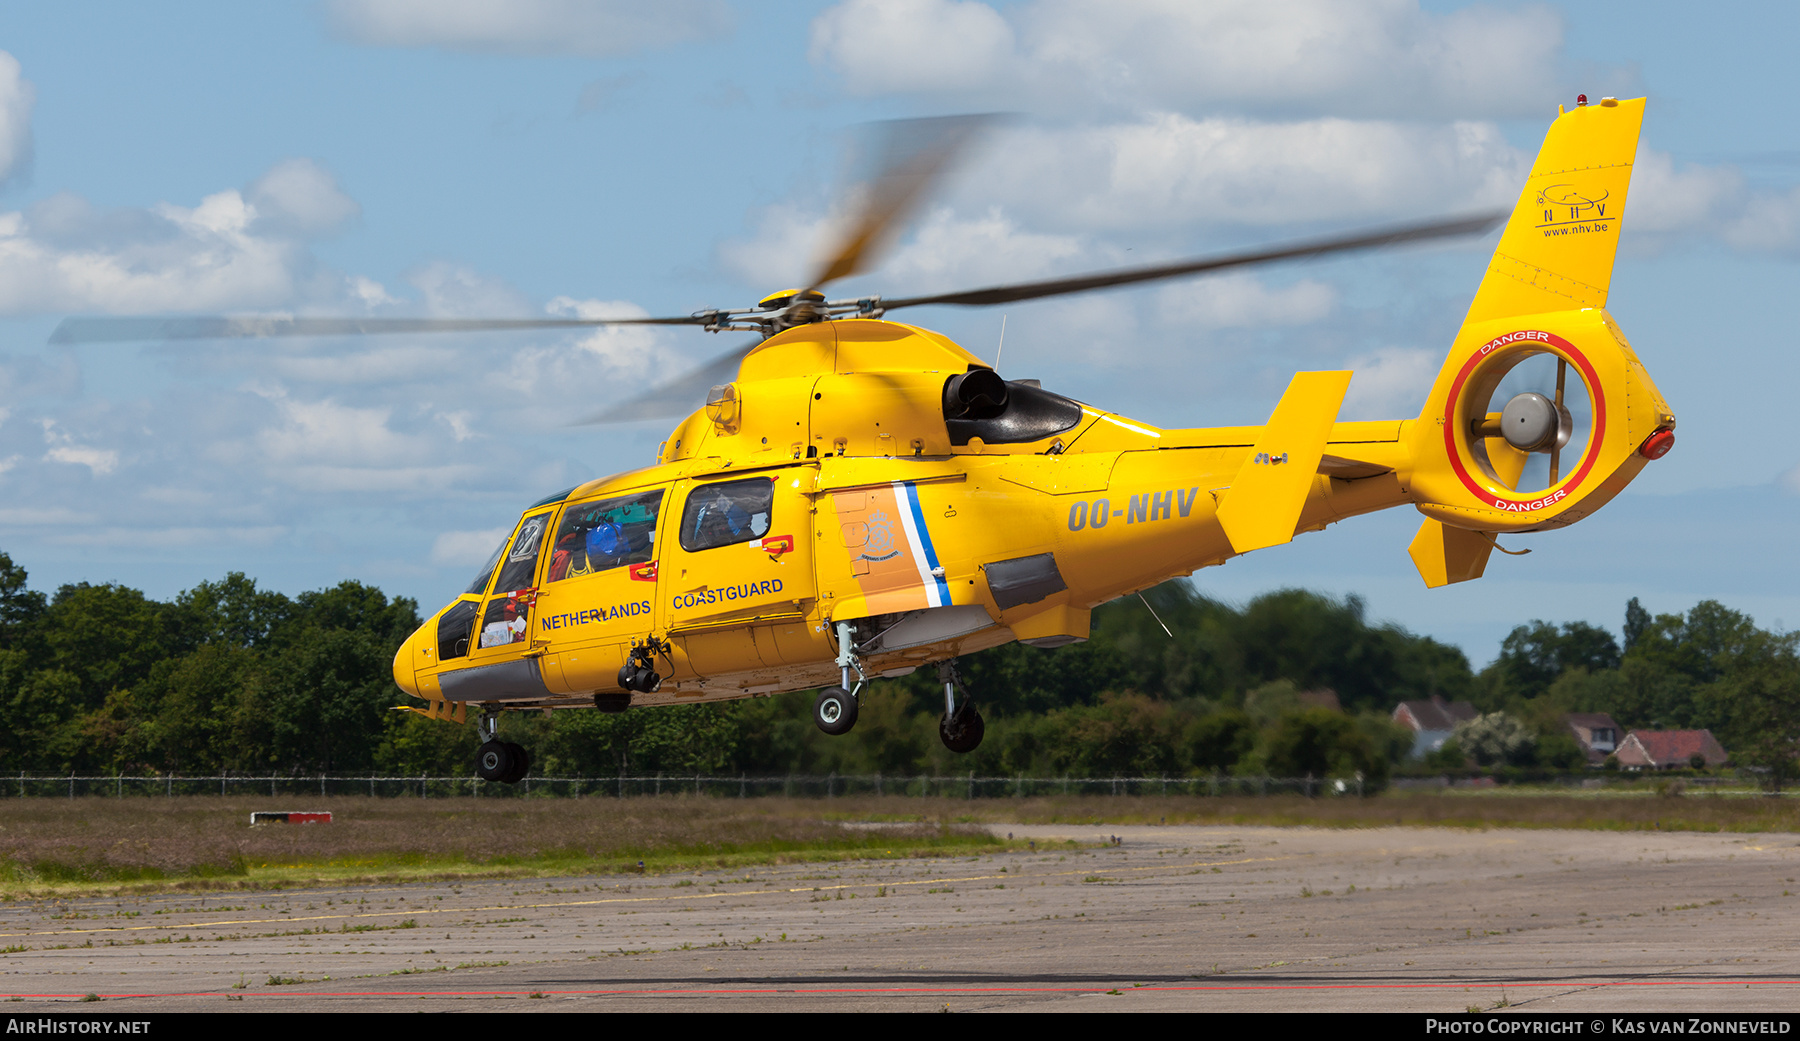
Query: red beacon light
x=1657, y=445
x=1581, y=100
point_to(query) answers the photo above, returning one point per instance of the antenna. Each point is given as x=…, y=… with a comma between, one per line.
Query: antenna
x=1002, y=346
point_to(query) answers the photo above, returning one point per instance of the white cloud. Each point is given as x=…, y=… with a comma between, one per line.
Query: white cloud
x=1769, y=222
x=457, y=290
x=1169, y=169
x=628, y=351
x=1377, y=57
x=1696, y=201
x=784, y=248
x=1391, y=383
x=16, y=98
x=234, y=250
x=901, y=46
x=63, y=449
x=949, y=252
x=300, y=197
x=326, y=431
x=1242, y=301
x=470, y=548
x=326, y=446
x=595, y=28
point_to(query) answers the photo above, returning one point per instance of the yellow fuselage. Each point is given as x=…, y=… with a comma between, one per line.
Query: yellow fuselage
x=876, y=514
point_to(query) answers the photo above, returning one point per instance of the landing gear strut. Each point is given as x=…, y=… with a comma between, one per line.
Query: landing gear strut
x=961, y=727
x=498, y=760
x=835, y=708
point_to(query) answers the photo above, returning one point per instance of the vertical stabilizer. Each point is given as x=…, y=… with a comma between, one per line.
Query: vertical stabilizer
x=1557, y=251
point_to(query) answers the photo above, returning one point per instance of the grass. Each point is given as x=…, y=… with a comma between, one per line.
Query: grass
x=205, y=842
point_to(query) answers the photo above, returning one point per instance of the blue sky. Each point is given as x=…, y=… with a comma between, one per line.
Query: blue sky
x=543, y=157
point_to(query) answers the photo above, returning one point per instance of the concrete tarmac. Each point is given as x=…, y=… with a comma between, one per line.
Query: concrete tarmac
x=1171, y=918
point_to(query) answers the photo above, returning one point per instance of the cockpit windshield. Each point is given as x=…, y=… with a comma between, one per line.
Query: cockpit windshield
x=479, y=586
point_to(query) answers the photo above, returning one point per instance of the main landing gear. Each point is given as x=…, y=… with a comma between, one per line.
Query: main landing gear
x=834, y=710
x=498, y=760
x=960, y=727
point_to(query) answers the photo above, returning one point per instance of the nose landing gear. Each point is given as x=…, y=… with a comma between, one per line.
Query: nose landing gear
x=498, y=760
x=961, y=727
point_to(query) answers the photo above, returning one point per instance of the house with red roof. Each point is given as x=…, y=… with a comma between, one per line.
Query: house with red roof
x=1669, y=749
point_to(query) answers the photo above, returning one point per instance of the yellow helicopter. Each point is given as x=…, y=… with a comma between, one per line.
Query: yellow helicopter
x=860, y=498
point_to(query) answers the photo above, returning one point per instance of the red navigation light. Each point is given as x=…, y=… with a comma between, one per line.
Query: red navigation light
x=1657, y=445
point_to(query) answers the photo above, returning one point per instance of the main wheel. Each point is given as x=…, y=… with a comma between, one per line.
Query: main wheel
x=494, y=760
x=521, y=764
x=835, y=710
x=963, y=731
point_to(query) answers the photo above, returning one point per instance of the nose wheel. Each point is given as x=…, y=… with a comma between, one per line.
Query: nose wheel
x=498, y=760
x=502, y=761
x=961, y=727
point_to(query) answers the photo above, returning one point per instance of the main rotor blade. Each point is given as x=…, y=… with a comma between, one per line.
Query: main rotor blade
x=1392, y=236
x=680, y=395
x=252, y=327
x=914, y=155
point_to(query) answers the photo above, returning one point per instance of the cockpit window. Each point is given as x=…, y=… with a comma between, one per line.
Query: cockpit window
x=479, y=586
x=520, y=562
x=726, y=513
x=600, y=536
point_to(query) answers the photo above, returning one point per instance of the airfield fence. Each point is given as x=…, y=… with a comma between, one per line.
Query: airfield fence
x=969, y=786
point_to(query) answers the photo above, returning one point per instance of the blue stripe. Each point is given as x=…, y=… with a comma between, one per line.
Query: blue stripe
x=931, y=560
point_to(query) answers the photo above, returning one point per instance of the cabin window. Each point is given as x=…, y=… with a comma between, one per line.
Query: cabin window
x=727, y=513
x=600, y=536
x=454, y=627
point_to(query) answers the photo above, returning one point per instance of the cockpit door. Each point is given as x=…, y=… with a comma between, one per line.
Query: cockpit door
x=502, y=663
x=595, y=600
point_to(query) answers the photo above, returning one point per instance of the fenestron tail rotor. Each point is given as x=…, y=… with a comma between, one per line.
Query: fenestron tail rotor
x=1536, y=412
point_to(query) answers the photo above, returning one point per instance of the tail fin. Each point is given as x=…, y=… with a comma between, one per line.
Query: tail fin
x=1558, y=248
x=1544, y=294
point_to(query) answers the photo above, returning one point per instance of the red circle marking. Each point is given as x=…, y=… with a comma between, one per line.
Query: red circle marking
x=1526, y=504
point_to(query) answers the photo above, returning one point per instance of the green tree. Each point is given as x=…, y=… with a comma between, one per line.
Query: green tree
x=1763, y=726
x=1318, y=742
x=20, y=608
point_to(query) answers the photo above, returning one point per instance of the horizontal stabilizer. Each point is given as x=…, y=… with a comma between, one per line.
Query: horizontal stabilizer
x=1444, y=554
x=1265, y=499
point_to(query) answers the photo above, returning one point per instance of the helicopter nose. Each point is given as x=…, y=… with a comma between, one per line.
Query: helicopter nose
x=419, y=651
